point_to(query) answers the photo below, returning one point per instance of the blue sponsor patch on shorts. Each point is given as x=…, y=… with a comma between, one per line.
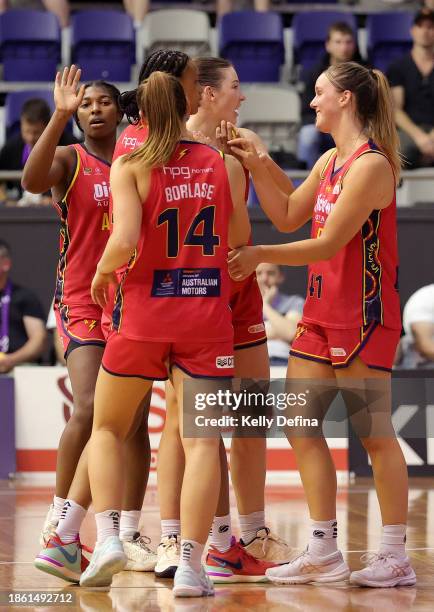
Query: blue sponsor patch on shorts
x=186, y=282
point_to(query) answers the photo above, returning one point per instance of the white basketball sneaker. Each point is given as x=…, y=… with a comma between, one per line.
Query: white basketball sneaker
x=108, y=559
x=384, y=570
x=168, y=553
x=188, y=583
x=305, y=568
x=49, y=527
x=141, y=558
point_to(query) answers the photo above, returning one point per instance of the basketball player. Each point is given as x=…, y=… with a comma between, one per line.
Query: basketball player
x=153, y=325
x=351, y=320
x=78, y=176
x=220, y=102
x=171, y=455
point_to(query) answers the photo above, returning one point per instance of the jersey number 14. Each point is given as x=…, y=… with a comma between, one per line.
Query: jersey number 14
x=200, y=232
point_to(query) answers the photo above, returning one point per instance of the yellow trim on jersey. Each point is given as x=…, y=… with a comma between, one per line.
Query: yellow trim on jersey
x=74, y=176
x=74, y=336
x=323, y=171
x=253, y=341
x=64, y=201
x=295, y=351
x=380, y=293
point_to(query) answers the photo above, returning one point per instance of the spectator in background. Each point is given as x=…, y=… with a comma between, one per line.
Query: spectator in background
x=58, y=350
x=22, y=319
x=60, y=8
x=281, y=313
x=412, y=81
x=227, y=6
x=418, y=321
x=35, y=115
x=340, y=46
x=137, y=10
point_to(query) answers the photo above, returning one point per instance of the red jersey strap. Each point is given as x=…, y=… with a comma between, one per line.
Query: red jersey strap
x=377, y=151
x=326, y=165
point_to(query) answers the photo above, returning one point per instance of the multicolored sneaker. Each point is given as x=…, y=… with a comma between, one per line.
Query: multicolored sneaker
x=267, y=546
x=235, y=565
x=168, y=556
x=304, y=568
x=140, y=557
x=188, y=583
x=108, y=559
x=63, y=560
x=49, y=528
x=384, y=570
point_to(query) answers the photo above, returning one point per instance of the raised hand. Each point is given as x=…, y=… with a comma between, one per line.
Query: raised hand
x=224, y=132
x=67, y=93
x=246, y=152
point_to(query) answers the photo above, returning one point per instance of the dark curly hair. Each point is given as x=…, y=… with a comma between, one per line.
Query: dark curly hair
x=165, y=60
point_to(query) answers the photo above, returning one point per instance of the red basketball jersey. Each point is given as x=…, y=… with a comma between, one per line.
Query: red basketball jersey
x=360, y=283
x=85, y=228
x=176, y=286
x=131, y=138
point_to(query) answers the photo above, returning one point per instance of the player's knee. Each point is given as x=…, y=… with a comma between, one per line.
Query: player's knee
x=247, y=447
x=206, y=445
x=83, y=411
x=304, y=445
x=376, y=444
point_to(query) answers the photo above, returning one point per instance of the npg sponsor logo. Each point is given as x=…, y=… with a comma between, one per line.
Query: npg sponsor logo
x=131, y=143
x=185, y=171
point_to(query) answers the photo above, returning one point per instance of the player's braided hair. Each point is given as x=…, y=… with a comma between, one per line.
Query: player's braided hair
x=162, y=101
x=165, y=60
x=112, y=91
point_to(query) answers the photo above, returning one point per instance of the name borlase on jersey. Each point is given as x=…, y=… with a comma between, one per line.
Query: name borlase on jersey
x=180, y=191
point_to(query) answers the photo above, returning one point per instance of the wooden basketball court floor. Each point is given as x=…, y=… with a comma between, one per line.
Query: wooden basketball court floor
x=23, y=505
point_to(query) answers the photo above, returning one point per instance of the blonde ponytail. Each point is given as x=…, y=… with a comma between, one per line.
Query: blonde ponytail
x=374, y=106
x=163, y=105
x=382, y=127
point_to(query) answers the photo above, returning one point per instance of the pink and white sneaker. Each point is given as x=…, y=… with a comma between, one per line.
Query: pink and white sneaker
x=305, y=568
x=384, y=570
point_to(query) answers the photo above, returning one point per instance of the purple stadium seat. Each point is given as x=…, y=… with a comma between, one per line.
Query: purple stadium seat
x=14, y=102
x=253, y=42
x=29, y=45
x=388, y=37
x=103, y=44
x=310, y=33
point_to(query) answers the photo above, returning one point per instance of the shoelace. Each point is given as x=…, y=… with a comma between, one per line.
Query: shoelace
x=171, y=544
x=272, y=538
x=371, y=558
x=302, y=554
x=143, y=541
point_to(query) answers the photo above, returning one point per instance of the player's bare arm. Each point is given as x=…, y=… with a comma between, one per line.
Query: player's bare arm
x=48, y=165
x=127, y=220
x=287, y=213
x=369, y=185
x=239, y=225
